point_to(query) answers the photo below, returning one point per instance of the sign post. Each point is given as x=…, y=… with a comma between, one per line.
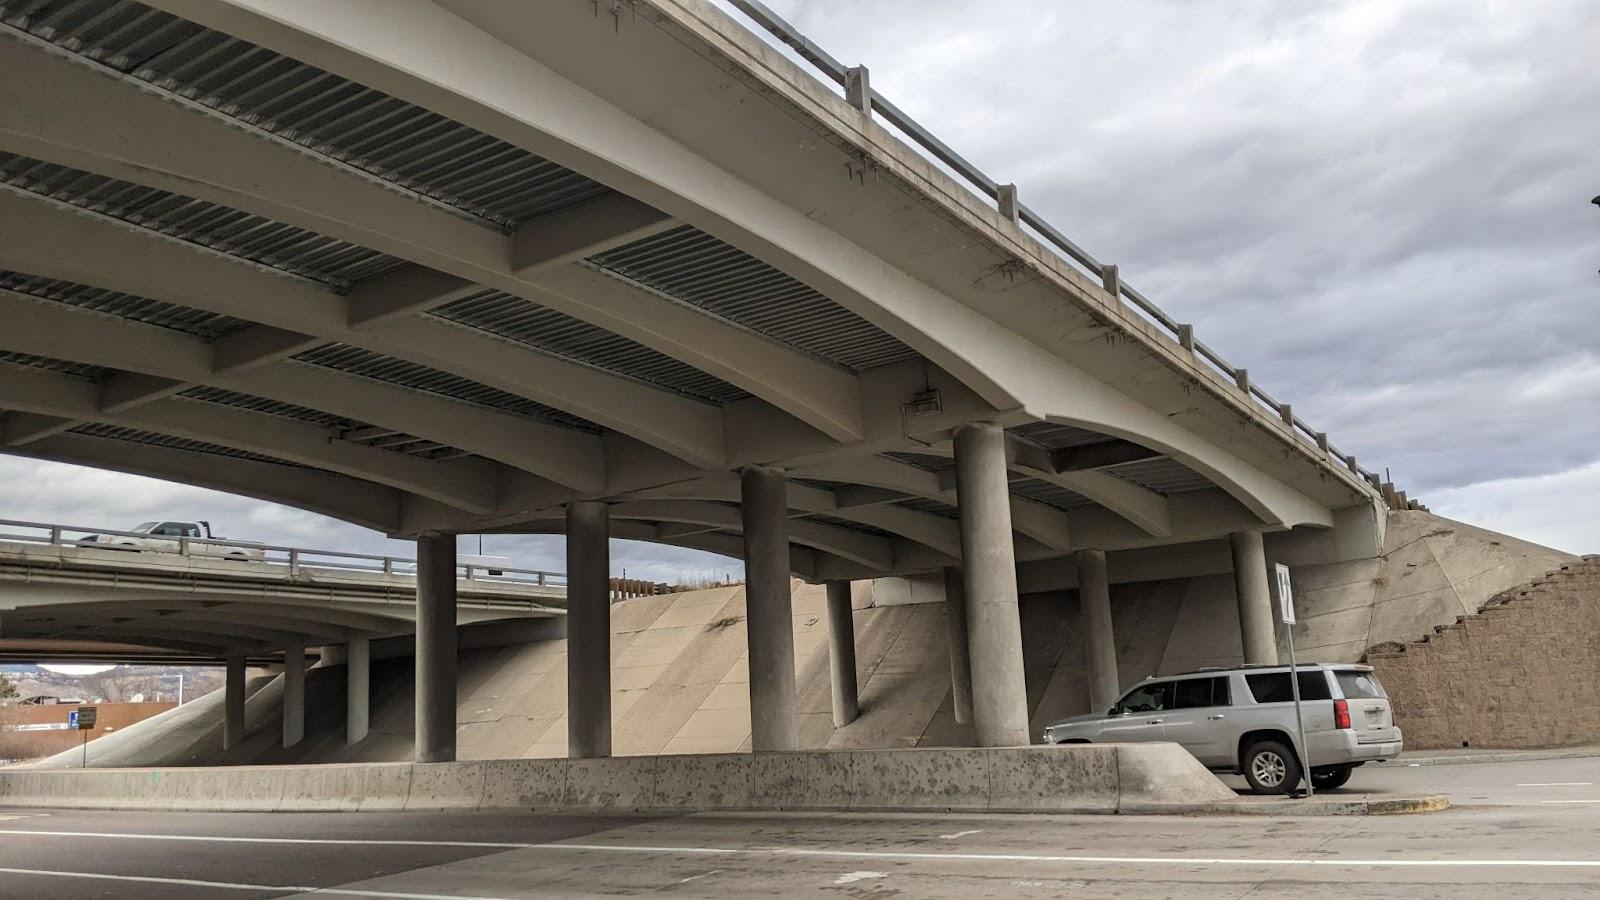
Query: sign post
x=1286, y=613
x=82, y=719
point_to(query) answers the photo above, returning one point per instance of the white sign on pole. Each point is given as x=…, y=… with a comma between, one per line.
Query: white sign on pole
x=1285, y=593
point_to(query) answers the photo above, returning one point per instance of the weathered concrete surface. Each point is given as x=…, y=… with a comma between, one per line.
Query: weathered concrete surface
x=1079, y=779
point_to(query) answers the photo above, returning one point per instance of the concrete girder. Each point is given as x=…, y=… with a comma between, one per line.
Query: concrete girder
x=332, y=621
x=489, y=83
x=96, y=625
x=1139, y=505
x=140, y=133
x=61, y=332
x=864, y=549
x=464, y=484
x=202, y=649
x=1045, y=524
x=360, y=502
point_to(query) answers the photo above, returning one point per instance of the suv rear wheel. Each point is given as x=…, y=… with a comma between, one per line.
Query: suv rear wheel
x=1271, y=768
x=1331, y=777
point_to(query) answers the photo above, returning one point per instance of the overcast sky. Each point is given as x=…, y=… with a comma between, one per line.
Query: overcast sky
x=1380, y=208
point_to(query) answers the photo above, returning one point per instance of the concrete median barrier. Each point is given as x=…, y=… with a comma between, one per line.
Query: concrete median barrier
x=1065, y=779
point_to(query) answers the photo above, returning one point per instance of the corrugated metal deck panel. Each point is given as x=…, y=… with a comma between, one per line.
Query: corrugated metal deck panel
x=925, y=461
x=75, y=369
x=1055, y=437
x=335, y=263
x=700, y=270
x=527, y=323
x=1167, y=476
x=117, y=433
x=1047, y=493
x=269, y=407
x=927, y=505
x=364, y=363
x=449, y=163
x=128, y=306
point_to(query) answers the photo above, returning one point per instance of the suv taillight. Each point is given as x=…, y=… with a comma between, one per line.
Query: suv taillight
x=1341, y=714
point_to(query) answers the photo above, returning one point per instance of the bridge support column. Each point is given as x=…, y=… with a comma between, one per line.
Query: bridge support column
x=588, y=629
x=1099, y=641
x=768, y=609
x=233, y=703
x=294, y=695
x=1255, y=599
x=842, y=654
x=989, y=579
x=436, y=648
x=955, y=611
x=357, y=689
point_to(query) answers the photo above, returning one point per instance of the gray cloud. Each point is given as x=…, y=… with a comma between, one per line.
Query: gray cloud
x=1380, y=208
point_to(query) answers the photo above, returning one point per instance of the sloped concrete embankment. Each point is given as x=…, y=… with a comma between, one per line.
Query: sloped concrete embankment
x=1077, y=779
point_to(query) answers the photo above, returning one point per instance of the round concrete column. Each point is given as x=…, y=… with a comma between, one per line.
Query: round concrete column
x=357, y=689
x=1255, y=598
x=1099, y=643
x=588, y=629
x=989, y=576
x=769, y=623
x=842, y=654
x=233, y=703
x=436, y=648
x=955, y=611
x=294, y=695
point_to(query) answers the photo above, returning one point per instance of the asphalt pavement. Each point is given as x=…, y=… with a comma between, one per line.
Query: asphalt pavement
x=1527, y=829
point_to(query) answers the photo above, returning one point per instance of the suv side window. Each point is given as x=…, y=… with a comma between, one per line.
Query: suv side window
x=1274, y=687
x=1197, y=693
x=173, y=529
x=1147, y=698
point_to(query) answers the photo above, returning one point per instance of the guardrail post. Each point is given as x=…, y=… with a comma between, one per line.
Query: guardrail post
x=469, y=572
x=1186, y=337
x=388, y=565
x=858, y=88
x=294, y=562
x=1006, y=197
x=1287, y=413
x=183, y=546
x=1111, y=281
x=55, y=534
x=1322, y=441
x=541, y=579
x=1241, y=377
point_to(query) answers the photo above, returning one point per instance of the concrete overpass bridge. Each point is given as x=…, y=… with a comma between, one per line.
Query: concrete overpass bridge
x=64, y=597
x=618, y=269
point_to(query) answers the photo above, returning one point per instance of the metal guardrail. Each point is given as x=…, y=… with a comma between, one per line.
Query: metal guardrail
x=294, y=559
x=858, y=91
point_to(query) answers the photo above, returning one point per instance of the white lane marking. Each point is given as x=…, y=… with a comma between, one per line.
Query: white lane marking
x=1557, y=784
x=238, y=886
x=701, y=875
x=850, y=854
x=960, y=834
x=853, y=877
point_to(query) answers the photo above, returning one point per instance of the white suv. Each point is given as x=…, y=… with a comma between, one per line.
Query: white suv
x=1242, y=720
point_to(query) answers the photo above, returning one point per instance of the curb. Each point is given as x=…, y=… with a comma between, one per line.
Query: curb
x=1506, y=756
x=1388, y=806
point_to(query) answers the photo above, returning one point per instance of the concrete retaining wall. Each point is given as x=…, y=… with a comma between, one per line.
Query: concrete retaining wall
x=1066, y=779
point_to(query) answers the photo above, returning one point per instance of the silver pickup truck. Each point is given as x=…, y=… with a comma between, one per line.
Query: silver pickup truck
x=1242, y=720
x=191, y=538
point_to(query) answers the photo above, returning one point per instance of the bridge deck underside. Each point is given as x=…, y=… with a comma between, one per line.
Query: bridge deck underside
x=234, y=265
